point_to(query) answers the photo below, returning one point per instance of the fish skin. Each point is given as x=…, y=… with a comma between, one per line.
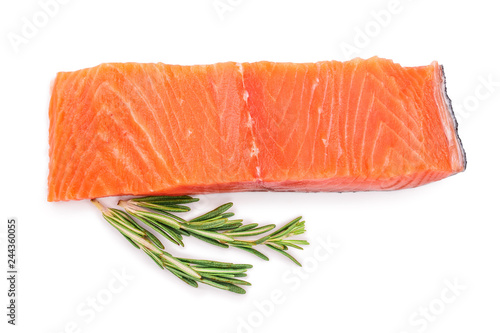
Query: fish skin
x=143, y=129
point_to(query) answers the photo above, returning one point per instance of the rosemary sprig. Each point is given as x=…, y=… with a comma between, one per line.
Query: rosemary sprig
x=216, y=274
x=279, y=241
x=214, y=227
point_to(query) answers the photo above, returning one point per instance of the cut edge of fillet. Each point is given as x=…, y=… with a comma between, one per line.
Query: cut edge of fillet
x=454, y=119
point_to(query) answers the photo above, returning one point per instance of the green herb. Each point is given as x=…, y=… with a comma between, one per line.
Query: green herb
x=279, y=241
x=216, y=274
x=214, y=227
x=159, y=213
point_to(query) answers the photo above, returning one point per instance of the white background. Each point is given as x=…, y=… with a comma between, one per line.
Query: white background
x=396, y=249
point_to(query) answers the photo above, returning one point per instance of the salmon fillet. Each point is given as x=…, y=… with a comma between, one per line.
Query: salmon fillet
x=142, y=129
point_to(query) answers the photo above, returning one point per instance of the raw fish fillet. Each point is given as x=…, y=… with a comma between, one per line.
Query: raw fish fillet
x=143, y=129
